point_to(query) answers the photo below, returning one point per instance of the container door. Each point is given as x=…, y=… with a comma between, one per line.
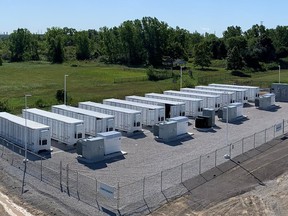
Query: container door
x=151, y=117
x=162, y=115
x=138, y=120
x=110, y=124
x=99, y=125
x=79, y=131
x=168, y=111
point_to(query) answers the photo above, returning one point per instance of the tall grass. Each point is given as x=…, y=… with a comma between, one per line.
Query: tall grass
x=95, y=82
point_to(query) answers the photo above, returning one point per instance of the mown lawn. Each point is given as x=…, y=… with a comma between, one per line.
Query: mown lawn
x=94, y=81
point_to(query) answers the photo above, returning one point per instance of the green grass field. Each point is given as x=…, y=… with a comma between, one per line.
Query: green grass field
x=94, y=81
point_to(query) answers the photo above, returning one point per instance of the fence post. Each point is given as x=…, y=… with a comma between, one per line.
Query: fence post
x=67, y=176
x=118, y=197
x=230, y=149
x=265, y=136
x=61, y=176
x=144, y=188
x=41, y=169
x=215, y=158
x=200, y=164
x=96, y=184
x=274, y=131
x=181, y=173
x=283, y=130
x=161, y=183
x=77, y=185
x=254, y=141
x=242, y=145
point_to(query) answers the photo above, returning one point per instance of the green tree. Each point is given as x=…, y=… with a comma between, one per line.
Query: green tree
x=202, y=55
x=54, y=38
x=1, y=61
x=234, y=59
x=20, y=45
x=232, y=31
x=83, y=48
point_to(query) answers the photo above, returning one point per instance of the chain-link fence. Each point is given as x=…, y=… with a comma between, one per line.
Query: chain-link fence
x=150, y=192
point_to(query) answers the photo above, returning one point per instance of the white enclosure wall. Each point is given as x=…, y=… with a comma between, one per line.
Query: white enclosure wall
x=182, y=124
x=230, y=93
x=193, y=106
x=94, y=122
x=252, y=91
x=241, y=94
x=63, y=129
x=209, y=101
x=112, y=141
x=223, y=98
x=125, y=119
x=172, y=108
x=13, y=129
x=151, y=114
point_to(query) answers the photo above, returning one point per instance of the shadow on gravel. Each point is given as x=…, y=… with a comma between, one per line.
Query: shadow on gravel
x=101, y=164
x=64, y=147
x=175, y=142
x=136, y=135
x=274, y=108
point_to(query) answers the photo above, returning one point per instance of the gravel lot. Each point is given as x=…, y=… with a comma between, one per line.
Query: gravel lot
x=147, y=157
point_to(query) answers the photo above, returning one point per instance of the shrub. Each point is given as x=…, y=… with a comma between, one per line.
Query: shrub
x=4, y=107
x=155, y=75
x=41, y=104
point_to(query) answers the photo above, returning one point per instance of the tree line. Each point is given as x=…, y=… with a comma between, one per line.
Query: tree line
x=150, y=42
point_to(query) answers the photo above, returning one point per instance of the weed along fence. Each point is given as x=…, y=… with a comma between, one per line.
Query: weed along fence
x=146, y=193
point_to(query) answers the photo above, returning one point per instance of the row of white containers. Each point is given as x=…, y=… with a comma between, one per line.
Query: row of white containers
x=209, y=101
x=252, y=92
x=172, y=108
x=94, y=122
x=62, y=128
x=151, y=114
x=125, y=119
x=193, y=106
x=13, y=128
x=225, y=97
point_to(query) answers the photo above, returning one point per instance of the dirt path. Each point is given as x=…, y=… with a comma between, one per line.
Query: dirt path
x=236, y=192
x=8, y=207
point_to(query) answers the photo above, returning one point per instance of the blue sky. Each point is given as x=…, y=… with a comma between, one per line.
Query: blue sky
x=212, y=16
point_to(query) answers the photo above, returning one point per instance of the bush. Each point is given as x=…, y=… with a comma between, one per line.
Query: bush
x=156, y=75
x=1, y=61
x=60, y=96
x=41, y=104
x=4, y=107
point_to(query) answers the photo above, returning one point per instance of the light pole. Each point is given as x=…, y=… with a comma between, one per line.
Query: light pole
x=279, y=72
x=65, y=91
x=227, y=157
x=181, y=76
x=26, y=131
x=227, y=119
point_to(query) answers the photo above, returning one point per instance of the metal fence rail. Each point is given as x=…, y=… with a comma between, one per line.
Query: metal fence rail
x=147, y=193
